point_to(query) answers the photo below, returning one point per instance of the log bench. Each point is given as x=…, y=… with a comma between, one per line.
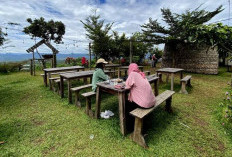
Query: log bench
x=88, y=96
x=76, y=90
x=140, y=113
x=185, y=82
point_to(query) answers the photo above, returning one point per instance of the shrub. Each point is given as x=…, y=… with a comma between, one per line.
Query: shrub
x=11, y=66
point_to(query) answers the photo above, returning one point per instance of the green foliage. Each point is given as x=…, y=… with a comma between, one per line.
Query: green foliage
x=112, y=46
x=11, y=66
x=2, y=39
x=51, y=30
x=190, y=27
x=98, y=33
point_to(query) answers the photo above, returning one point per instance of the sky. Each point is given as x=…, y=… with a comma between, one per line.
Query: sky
x=127, y=16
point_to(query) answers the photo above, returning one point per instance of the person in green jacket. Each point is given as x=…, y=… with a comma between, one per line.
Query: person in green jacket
x=99, y=75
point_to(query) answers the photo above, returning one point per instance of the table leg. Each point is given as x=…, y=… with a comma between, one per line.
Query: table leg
x=45, y=79
x=156, y=88
x=119, y=72
x=98, y=103
x=69, y=91
x=61, y=87
x=181, y=76
x=122, y=117
x=172, y=81
x=49, y=81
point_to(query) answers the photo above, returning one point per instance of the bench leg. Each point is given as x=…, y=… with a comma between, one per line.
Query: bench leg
x=168, y=106
x=58, y=89
x=183, y=88
x=53, y=86
x=189, y=83
x=137, y=136
x=50, y=81
x=167, y=78
x=88, y=110
x=77, y=99
x=160, y=77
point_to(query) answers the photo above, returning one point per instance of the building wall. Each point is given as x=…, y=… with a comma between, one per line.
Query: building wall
x=202, y=59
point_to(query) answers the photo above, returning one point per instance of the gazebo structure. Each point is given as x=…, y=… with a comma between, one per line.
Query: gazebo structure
x=45, y=57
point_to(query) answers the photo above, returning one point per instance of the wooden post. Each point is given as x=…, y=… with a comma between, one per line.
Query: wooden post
x=31, y=68
x=33, y=57
x=90, y=56
x=54, y=60
x=98, y=103
x=130, y=51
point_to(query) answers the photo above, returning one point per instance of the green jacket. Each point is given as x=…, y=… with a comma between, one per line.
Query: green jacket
x=98, y=76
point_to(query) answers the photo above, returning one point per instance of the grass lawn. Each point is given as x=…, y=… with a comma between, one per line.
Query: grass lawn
x=35, y=121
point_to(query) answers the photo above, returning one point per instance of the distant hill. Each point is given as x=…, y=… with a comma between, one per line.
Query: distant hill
x=14, y=57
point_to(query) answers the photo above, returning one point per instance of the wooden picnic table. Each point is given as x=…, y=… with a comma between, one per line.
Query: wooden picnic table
x=126, y=68
x=171, y=71
x=59, y=69
x=72, y=76
x=121, y=93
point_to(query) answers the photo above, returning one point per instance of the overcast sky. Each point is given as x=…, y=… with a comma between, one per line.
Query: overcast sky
x=127, y=16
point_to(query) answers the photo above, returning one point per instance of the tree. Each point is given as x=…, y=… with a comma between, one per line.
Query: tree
x=98, y=33
x=181, y=27
x=2, y=39
x=189, y=28
x=51, y=30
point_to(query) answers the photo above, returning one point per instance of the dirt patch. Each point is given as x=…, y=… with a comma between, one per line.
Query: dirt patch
x=200, y=122
x=37, y=123
x=38, y=141
x=47, y=151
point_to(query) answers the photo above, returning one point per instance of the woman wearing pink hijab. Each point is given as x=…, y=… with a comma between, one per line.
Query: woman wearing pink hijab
x=140, y=88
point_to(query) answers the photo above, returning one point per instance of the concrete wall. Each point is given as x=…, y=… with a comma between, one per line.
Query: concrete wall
x=201, y=59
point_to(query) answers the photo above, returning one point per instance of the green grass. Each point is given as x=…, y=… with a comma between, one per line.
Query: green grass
x=35, y=121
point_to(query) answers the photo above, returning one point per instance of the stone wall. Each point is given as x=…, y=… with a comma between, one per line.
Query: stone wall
x=202, y=59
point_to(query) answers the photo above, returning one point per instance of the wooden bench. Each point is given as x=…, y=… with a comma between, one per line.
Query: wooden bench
x=57, y=81
x=140, y=113
x=185, y=82
x=88, y=96
x=76, y=90
x=51, y=84
x=147, y=73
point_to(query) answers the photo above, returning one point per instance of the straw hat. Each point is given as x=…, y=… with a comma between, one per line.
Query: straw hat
x=101, y=60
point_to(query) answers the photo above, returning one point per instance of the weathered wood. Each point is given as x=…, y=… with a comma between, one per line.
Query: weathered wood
x=69, y=91
x=122, y=117
x=61, y=87
x=88, y=96
x=59, y=71
x=171, y=71
x=98, y=103
x=137, y=135
x=185, y=82
x=140, y=113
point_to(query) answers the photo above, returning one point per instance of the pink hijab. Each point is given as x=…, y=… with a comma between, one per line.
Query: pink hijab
x=133, y=67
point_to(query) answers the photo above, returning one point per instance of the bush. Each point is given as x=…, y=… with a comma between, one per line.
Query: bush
x=11, y=66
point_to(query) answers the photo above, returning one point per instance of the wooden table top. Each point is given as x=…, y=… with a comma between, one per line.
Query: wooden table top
x=170, y=70
x=126, y=67
x=63, y=68
x=80, y=74
x=106, y=85
x=112, y=65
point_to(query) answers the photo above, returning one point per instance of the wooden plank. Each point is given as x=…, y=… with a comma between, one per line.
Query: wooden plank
x=88, y=94
x=186, y=78
x=81, y=87
x=140, y=113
